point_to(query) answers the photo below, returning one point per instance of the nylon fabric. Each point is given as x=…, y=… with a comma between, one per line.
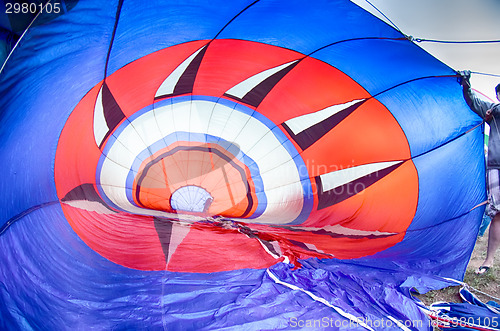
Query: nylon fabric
x=160, y=160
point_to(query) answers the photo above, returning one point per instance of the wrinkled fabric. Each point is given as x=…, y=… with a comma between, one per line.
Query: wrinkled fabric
x=345, y=169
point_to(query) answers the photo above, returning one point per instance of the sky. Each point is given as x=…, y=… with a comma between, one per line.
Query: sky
x=457, y=20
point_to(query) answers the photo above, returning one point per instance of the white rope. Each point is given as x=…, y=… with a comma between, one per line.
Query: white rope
x=398, y=323
x=318, y=299
x=20, y=38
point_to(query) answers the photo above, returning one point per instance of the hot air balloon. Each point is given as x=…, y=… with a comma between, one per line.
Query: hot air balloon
x=263, y=164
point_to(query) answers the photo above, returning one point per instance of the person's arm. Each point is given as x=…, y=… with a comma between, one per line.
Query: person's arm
x=479, y=106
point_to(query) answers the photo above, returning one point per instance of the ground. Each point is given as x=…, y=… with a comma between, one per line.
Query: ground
x=488, y=283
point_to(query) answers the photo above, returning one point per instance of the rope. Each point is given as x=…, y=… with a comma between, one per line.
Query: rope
x=117, y=18
x=387, y=18
x=469, y=287
x=20, y=38
x=479, y=205
x=483, y=293
x=16, y=218
x=316, y=298
x=232, y=19
x=419, y=40
x=485, y=74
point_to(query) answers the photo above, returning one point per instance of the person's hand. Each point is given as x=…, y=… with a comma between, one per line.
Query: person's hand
x=489, y=115
x=464, y=78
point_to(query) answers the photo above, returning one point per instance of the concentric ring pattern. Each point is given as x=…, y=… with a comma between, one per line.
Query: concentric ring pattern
x=276, y=146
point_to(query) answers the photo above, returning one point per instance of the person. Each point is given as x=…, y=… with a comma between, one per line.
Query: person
x=490, y=112
x=485, y=223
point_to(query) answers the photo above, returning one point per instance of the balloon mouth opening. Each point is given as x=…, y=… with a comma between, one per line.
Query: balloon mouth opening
x=196, y=179
x=191, y=198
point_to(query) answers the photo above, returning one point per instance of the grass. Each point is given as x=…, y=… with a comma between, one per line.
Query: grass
x=488, y=283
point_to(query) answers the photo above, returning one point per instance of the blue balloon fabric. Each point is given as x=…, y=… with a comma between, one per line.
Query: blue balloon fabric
x=274, y=259
x=472, y=314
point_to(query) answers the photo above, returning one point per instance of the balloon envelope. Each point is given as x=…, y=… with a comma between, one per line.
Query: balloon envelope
x=164, y=164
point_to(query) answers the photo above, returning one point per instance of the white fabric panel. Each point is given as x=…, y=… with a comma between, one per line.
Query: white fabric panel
x=313, y=247
x=181, y=113
x=113, y=175
x=121, y=155
x=241, y=89
x=276, y=247
x=134, y=142
x=284, y=204
x=269, y=154
x=168, y=85
x=301, y=123
x=164, y=120
x=268, y=251
x=338, y=178
x=100, y=125
x=283, y=173
x=230, y=122
x=200, y=113
x=124, y=153
x=250, y=136
x=339, y=229
x=89, y=206
x=278, y=170
x=147, y=128
x=179, y=232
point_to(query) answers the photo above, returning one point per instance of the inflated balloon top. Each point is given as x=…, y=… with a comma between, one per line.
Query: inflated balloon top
x=201, y=137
